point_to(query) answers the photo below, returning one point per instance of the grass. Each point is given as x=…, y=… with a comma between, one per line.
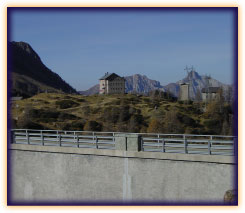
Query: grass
x=92, y=108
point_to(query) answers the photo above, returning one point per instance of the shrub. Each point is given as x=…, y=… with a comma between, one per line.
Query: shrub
x=86, y=110
x=111, y=114
x=134, y=124
x=66, y=116
x=64, y=104
x=80, y=100
x=74, y=126
x=26, y=123
x=124, y=114
x=155, y=126
x=230, y=196
x=92, y=126
x=186, y=120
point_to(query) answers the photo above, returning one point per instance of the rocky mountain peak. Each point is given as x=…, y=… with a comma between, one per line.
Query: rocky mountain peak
x=26, y=48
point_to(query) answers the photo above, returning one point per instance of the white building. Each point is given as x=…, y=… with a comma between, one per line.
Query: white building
x=184, y=92
x=112, y=83
x=210, y=93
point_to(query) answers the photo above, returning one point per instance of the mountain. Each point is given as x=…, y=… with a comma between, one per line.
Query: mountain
x=142, y=84
x=91, y=91
x=196, y=82
x=28, y=75
x=134, y=84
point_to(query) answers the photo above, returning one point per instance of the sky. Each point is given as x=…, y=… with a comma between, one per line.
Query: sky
x=81, y=45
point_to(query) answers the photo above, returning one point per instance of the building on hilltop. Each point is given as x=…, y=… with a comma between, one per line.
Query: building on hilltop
x=184, y=92
x=210, y=93
x=112, y=83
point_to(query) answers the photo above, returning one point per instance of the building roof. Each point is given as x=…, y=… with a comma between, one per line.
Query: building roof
x=210, y=90
x=109, y=76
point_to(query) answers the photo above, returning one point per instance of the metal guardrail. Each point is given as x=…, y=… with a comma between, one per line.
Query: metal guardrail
x=150, y=142
x=190, y=144
x=78, y=139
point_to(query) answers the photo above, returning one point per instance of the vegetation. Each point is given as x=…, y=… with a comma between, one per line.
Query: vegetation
x=158, y=113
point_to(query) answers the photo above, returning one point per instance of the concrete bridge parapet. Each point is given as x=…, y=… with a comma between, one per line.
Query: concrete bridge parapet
x=128, y=142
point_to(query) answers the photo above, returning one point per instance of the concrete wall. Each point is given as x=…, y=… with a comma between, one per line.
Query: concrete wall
x=59, y=174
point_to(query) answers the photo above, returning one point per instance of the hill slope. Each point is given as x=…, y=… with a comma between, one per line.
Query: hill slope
x=123, y=113
x=29, y=75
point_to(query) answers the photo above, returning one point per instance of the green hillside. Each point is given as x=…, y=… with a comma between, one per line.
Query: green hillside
x=125, y=113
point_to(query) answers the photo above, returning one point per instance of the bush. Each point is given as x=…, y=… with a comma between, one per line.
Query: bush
x=66, y=116
x=155, y=126
x=80, y=100
x=111, y=114
x=186, y=120
x=64, y=104
x=134, y=123
x=74, y=126
x=25, y=123
x=86, y=110
x=124, y=114
x=92, y=126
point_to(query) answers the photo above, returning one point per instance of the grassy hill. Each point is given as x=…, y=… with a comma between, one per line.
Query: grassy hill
x=126, y=113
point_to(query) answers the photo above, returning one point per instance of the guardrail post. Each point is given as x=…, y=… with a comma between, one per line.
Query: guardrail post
x=235, y=141
x=96, y=142
x=60, y=138
x=163, y=145
x=185, y=144
x=12, y=137
x=27, y=137
x=42, y=138
x=209, y=145
x=142, y=143
x=77, y=141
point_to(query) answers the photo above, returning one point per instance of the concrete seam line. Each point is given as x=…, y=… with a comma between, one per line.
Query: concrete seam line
x=125, y=157
x=126, y=154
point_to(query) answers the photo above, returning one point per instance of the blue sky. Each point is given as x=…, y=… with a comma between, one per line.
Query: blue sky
x=81, y=45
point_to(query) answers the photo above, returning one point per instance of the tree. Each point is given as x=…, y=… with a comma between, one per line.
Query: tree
x=92, y=126
x=133, y=125
x=155, y=126
x=172, y=123
x=229, y=94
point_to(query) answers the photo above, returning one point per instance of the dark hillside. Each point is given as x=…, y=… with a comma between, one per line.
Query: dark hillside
x=25, y=63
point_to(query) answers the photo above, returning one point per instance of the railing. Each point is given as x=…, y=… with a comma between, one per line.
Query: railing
x=80, y=139
x=189, y=144
x=150, y=142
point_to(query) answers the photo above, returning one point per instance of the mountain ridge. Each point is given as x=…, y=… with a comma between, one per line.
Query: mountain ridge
x=143, y=85
x=28, y=74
